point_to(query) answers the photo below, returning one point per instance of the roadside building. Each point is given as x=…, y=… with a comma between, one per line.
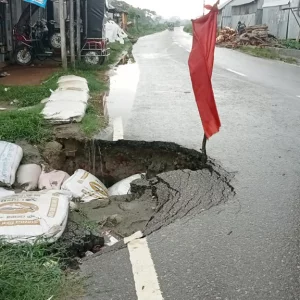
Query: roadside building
x=282, y=18
x=224, y=15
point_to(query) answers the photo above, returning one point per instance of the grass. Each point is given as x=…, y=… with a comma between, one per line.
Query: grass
x=266, y=53
x=188, y=28
x=29, y=124
x=24, y=125
x=93, y=121
x=291, y=44
x=31, y=272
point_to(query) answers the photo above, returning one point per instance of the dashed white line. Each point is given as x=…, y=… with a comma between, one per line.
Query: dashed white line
x=238, y=73
x=298, y=96
x=144, y=274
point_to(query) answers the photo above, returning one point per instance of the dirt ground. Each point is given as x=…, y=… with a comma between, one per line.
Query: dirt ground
x=28, y=75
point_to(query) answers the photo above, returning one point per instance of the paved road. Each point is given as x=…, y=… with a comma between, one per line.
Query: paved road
x=247, y=248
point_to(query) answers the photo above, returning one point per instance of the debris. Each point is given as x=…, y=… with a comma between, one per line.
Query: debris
x=54, y=154
x=100, y=203
x=110, y=239
x=123, y=187
x=89, y=253
x=135, y=236
x=28, y=176
x=256, y=35
x=78, y=239
x=73, y=206
x=10, y=158
x=34, y=216
x=114, y=220
x=85, y=186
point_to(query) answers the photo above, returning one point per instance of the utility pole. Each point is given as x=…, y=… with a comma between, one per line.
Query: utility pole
x=72, y=39
x=62, y=25
x=78, y=38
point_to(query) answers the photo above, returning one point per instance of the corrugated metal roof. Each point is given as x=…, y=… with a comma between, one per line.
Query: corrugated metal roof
x=222, y=5
x=241, y=2
x=270, y=3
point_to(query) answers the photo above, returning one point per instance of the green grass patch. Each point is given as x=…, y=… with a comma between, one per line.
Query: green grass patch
x=291, y=44
x=32, y=272
x=188, y=28
x=25, y=124
x=93, y=121
x=116, y=50
x=266, y=53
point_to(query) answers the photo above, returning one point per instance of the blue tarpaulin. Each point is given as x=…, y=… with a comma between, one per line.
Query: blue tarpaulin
x=41, y=3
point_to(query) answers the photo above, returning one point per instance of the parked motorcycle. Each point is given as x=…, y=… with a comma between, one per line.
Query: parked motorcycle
x=32, y=42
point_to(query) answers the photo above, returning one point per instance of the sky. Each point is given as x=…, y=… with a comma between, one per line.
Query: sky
x=186, y=9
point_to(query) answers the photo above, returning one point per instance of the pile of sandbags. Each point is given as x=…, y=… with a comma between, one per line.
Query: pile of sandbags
x=256, y=35
x=34, y=216
x=68, y=102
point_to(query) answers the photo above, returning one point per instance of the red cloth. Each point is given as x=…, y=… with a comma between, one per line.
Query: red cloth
x=201, y=62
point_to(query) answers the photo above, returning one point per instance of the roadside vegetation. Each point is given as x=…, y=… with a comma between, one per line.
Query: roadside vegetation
x=32, y=272
x=188, y=28
x=266, y=53
x=291, y=44
x=23, y=119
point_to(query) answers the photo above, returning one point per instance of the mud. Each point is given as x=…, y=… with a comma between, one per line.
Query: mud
x=114, y=161
x=178, y=183
x=32, y=75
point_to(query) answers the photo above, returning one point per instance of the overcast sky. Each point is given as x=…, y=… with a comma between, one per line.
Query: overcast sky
x=187, y=9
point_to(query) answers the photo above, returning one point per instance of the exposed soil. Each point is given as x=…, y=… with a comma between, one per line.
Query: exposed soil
x=31, y=75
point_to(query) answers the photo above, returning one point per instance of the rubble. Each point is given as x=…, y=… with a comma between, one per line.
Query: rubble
x=257, y=35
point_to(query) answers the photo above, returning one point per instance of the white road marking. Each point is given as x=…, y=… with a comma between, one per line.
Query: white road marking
x=136, y=235
x=298, y=96
x=118, y=129
x=144, y=274
x=238, y=73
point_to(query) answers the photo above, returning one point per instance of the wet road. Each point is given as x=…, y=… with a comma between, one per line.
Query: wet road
x=247, y=248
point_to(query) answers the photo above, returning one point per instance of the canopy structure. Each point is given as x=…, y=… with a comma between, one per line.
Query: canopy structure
x=95, y=14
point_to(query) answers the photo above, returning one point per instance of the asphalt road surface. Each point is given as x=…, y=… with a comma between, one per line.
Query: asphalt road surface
x=247, y=248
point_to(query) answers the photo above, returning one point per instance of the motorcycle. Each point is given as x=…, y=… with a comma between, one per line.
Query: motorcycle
x=32, y=42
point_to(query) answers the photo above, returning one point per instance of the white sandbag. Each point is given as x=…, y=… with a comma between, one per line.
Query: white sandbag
x=62, y=112
x=71, y=78
x=85, y=186
x=4, y=192
x=34, y=216
x=52, y=180
x=75, y=85
x=123, y=187
x=114, y=33
x=28, y=176
x=69, y=95
x=10, y=158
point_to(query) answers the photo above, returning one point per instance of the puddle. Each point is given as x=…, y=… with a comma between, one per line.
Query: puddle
x=123, y=85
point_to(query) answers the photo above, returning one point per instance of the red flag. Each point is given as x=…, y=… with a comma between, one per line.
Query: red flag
x=201, y=62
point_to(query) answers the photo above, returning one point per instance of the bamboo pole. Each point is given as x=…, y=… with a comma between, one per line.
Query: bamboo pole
x=62, y=25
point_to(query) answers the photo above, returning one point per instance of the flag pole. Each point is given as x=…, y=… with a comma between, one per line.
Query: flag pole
x=203, y=150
